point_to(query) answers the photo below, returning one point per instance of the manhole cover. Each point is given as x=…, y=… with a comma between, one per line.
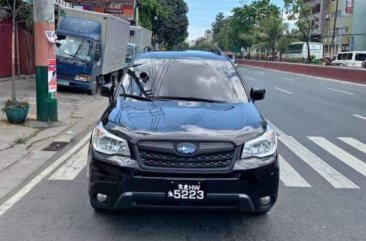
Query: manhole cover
x=55, y=146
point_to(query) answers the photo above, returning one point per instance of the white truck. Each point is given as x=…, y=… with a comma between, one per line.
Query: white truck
x=139, y=39
x=91, y=48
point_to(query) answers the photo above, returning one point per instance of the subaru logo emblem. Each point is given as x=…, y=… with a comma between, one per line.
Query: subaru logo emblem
x=186, y=148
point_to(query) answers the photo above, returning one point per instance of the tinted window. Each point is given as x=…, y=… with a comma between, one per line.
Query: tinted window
x=198, y=78
x=349, y=56
x=360, y=57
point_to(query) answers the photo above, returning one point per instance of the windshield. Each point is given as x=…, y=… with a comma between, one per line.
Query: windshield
x=74, y=48
x=187, y=78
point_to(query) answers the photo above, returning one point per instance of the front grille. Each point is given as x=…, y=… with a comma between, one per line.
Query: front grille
x=65, y=76
x=169, y=159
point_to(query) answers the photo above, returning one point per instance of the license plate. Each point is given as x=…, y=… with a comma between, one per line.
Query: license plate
x=63, y=82
x=180, y=190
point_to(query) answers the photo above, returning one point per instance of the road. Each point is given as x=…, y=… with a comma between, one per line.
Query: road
x=321, y=127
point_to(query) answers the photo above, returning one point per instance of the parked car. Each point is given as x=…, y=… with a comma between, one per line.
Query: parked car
x=182, y=130
x=351, y=59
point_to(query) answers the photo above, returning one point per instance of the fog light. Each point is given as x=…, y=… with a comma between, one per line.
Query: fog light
x=266, y=200
x=101, y=197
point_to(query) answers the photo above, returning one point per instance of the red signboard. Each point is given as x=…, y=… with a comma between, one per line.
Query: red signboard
x=349, y=6
x=119, y=8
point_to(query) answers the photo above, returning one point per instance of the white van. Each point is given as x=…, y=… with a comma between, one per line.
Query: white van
x=351, y=59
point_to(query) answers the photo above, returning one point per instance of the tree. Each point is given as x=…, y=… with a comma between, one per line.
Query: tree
x=217, y=26
x=19, y=12
x=239, y=30
x=172, y=30
x=301, y=11
x=150, y=11
x=270, y=31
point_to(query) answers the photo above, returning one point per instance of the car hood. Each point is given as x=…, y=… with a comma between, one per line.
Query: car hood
x=185, y=118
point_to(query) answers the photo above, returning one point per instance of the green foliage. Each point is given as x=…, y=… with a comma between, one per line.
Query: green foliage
x=301, y=12
x=22, y=13
x=271, y=31
x=202, y=44
x=172, y=30
x=239, y=30
x=150, y=11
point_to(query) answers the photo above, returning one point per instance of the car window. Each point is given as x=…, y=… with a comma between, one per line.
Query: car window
x=360, y=57
x=197, y=78
x=349, y=56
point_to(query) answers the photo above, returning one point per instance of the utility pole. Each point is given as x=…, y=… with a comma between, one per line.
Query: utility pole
x=44, y=22
x=334, y=28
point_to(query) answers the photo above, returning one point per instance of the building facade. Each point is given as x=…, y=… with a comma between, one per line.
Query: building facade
x=338, y=20
x=338, y=24
x=358, y=32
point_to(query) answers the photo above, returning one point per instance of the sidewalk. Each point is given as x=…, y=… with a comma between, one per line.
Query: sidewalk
x=21, y=146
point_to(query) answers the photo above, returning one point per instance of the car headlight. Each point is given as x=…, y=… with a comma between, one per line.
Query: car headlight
x=85, y=78
x=263, y=146
x=109, y=144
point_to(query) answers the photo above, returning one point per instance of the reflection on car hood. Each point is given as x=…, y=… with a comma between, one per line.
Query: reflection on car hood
x=182, y=117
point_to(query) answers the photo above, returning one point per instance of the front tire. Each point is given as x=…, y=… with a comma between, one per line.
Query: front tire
x=94, y=90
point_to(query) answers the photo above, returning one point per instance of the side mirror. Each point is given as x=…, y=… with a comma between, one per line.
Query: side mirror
x=257, y=94
x=106, y=90
x=96, y=56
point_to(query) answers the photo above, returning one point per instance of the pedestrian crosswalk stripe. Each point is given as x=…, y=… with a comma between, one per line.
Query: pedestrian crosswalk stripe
x=342, y=155
x=289, y=176
x=72, y=167
x=335, y=178
x=354, y=143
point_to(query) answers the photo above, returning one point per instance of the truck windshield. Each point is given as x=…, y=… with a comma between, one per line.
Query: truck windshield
x=74, y=48
x=130, y=53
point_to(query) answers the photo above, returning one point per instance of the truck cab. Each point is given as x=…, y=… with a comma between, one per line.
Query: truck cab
x=132, y=51
x=78, y=54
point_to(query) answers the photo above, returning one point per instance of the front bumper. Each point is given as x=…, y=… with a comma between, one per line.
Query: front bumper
x=74, y=84
x=132, y=187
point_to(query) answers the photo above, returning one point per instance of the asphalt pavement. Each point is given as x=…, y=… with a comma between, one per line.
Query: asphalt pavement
x=321, y=125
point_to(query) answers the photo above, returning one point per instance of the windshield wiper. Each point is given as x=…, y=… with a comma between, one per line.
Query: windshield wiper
x=76, y=57
x=188, y=99
x=137, y=97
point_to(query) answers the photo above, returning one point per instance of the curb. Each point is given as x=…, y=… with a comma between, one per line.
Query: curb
x=311, y=76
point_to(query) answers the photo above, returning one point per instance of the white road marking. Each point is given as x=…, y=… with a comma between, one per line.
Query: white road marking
x=341, y=91
x=354, y=143
x=249, y=78
x=27, y=188
x=289, y=176
x=342, y=155
x=360, y=116
x=282, y=90
x=335, y=178
x=286, y=78
x=72, y=167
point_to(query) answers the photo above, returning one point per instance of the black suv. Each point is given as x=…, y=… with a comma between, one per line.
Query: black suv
x=182, y=130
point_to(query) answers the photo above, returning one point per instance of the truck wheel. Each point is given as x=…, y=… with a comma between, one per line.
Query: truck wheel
x=94, y=90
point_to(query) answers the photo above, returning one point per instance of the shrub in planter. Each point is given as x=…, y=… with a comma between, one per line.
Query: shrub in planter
x=16, y=112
